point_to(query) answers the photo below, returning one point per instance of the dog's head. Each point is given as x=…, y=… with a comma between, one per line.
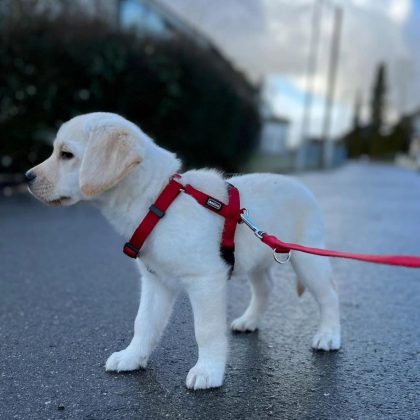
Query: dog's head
x=92, y=153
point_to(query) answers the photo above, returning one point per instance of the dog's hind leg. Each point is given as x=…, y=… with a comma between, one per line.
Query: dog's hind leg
x=316, y=275
x=208, y=300
x=260, y=288
x=155, y=307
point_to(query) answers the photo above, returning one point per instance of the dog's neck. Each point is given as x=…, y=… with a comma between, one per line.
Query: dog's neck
x=126, y=204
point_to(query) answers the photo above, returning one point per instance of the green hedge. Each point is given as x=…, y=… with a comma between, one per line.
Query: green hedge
x=187, y=98
x=365, y=141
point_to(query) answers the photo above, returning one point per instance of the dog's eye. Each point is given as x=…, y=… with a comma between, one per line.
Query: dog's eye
x=66, y=155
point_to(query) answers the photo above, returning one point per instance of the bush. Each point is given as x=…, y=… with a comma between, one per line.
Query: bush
x=187, y=98
x=367, y=141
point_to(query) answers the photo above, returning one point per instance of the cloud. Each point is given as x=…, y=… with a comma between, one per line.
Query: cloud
x=270, y=38
x=397, y=10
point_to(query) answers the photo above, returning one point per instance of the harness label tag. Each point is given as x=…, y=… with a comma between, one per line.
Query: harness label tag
x=211, y=202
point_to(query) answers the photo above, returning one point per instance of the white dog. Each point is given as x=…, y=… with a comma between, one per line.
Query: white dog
x=105, y=159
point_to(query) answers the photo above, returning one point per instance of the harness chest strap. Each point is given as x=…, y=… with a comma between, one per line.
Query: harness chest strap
x=231, y=212
x=155, y=213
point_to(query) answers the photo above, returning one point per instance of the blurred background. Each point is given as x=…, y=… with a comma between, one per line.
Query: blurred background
x=328, y=90
x=242, y=85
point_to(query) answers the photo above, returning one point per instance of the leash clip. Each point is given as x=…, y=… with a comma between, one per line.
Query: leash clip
x=257, y=232
x=260, y=234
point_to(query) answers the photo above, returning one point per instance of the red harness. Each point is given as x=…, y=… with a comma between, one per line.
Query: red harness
x=233, y=215
x=231, y=212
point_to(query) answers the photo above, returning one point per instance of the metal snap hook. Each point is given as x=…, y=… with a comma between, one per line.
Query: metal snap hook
x=284, y=261
x=257, y=232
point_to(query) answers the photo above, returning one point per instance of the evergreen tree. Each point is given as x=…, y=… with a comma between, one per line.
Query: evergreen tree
x=377, y=111
x=356, y=112
x=353, y=139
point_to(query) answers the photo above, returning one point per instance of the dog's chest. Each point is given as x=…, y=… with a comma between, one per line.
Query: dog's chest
x=158, y=266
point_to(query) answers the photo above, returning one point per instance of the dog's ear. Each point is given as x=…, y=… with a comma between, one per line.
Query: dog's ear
x=111, y=154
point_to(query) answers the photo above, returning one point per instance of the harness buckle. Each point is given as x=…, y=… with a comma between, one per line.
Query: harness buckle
x=130, y=250
x=159, y=213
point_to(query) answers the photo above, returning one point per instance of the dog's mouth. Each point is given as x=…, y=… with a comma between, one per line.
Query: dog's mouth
x=43, y=195
x=61, y=201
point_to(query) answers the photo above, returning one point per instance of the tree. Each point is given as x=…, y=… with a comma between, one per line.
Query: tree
x=356, y=112
x=57, y=64
x=378, y=102
x=353, y=140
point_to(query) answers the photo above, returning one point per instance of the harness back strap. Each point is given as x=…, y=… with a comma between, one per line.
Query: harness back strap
x=228, y=237
x=231, y=212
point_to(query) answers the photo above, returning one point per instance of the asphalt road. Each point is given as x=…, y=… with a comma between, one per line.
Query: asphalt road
x=68, y=298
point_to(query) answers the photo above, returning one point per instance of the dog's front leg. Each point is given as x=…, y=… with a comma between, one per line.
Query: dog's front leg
x=156, y=303
x=208, y=301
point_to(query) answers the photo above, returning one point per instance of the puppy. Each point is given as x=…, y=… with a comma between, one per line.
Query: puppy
x=105, y=159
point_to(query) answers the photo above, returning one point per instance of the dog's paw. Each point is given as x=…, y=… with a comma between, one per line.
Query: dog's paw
x=243, y=324
x=125, y=360
x=204, y=378
x=327, y=339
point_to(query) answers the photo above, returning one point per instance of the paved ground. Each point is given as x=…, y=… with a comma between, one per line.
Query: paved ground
x=68, y=298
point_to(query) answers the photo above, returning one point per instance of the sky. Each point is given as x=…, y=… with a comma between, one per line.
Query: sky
x=269, y=41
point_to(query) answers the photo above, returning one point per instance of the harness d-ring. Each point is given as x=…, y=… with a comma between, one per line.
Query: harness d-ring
x=287, y=259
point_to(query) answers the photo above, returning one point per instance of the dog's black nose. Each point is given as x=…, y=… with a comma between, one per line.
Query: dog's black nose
x=30, y=176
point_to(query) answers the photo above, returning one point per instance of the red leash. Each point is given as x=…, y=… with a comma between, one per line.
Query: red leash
x=285, y=247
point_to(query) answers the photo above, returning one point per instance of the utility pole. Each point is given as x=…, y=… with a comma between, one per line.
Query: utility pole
x=310, y=72
x=328, y=148
x=405, y=69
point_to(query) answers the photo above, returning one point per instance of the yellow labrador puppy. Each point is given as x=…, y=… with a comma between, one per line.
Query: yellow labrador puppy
x=105, y=159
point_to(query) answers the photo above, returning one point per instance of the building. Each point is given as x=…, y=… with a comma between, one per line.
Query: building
x=312, y=153
x=273, y=153
x=274, y=134
x=414, y=150
x=151, y=17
